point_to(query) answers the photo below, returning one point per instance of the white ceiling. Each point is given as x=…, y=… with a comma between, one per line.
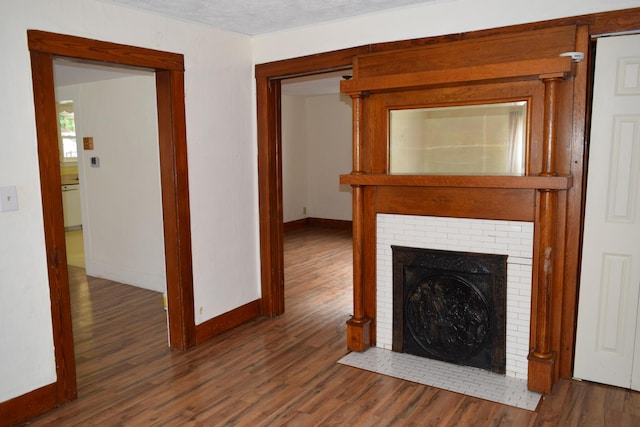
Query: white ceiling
x=253, y=17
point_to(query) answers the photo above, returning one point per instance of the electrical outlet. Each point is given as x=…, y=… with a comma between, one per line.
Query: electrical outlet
x=304, y=210
x=8, y=199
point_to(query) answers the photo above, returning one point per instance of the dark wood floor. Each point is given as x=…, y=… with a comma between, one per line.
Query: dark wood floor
x=277, y=372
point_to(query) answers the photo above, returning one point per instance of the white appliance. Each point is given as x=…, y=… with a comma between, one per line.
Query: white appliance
x=71, y=206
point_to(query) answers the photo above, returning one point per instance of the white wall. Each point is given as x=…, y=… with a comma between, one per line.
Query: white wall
x=294, y=158
x=316, y=150
x=329, y=156
x=431, y=19
x=122, y=203
x=220, y=118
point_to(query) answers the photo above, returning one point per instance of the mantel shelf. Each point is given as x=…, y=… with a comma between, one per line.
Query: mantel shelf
x=561, y=182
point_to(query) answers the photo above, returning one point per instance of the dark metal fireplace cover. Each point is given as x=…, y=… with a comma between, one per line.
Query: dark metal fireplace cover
x=450, y=306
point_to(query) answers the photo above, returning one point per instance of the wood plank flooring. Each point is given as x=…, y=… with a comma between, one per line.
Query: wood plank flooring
x=277, y=372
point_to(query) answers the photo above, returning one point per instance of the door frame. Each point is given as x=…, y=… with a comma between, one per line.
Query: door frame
x=269, y=131
x=169, y=72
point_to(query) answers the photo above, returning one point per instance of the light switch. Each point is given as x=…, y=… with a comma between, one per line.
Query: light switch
x=8, y=199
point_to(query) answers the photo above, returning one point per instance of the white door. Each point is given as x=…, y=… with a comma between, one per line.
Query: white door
x=608, y=332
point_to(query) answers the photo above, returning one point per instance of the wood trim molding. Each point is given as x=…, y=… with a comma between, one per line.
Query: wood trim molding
x=28, y=405
x=46, y=130
x=309, y=221
x=506, y=204
x=174, y=179
x=270, y=197
x=309, y=64
x=94, y=50
x=220, y=324
x=295, y=225
x=462, y=181
x=489, y=73
x=597, y=23
x=332, y=223
x=565, y=339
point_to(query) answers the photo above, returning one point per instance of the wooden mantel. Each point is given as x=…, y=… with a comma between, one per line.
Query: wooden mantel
x=460, y=181
x=530, y=66
x=501, y=72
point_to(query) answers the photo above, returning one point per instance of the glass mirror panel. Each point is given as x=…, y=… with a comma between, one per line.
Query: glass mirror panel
x=487, y=139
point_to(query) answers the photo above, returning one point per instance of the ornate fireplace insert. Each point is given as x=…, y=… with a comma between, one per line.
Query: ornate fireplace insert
x=450, y=306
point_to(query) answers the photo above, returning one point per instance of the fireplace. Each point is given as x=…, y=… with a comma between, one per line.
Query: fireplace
x=450, y=306
x=511, y=238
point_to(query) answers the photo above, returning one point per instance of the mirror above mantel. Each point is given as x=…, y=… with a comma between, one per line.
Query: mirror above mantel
x=476, y=139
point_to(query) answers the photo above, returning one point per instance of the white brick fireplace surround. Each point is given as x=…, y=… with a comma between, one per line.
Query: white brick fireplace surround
x=511, y=238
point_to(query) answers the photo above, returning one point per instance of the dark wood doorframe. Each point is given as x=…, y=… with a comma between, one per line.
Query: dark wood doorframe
x=169, y=68
x=269, y=124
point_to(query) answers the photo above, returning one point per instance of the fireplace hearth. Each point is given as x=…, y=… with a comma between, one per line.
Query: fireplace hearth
x=450, y=306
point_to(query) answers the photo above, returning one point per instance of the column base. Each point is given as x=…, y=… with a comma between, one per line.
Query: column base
x=358, y=334
x=541, y=373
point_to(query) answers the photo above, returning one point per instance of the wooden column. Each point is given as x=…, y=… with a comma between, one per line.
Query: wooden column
x=358, y=327
x=541, y=357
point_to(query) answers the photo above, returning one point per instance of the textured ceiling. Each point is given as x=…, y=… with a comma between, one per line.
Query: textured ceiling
x=254, y=17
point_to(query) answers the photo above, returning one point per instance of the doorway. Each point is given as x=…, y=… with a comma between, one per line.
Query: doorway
x=269, y=78
x=120, y=238
x=316, y=149
x=117, y=212
x=169, y=72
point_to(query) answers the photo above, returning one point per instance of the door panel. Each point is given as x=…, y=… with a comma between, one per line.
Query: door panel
x=607, y=329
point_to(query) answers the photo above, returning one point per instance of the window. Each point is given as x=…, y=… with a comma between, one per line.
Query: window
x=67, y=132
